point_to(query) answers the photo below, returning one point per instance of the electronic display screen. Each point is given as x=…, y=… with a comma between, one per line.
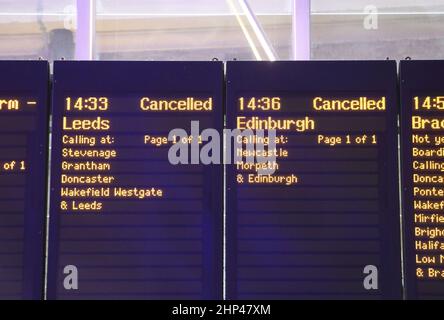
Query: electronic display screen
x=325, y=223
x=126, y=221
x=422, y=137
x=24, y=113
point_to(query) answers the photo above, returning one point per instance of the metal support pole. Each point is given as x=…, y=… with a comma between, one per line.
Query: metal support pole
x=85, y=34
x=301, y=30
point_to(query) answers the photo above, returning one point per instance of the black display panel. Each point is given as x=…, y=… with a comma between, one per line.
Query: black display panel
x=422, y=136
x=24, y=114
x=325, y=225
x=125, y=223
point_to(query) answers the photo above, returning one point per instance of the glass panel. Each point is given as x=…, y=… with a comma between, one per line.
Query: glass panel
x=37, y=28
x=190, y=30
x=275, y=19
x=353, y=29
x=393, y=6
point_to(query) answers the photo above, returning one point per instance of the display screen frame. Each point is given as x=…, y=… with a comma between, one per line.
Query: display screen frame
x=139, y=78
x=311, y=77
x=418, y=78
x=30, y=80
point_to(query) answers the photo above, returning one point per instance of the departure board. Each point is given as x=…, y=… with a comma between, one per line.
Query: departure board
x=320, y=218
x=128, y=220
x=24, y=113
x=422, y=128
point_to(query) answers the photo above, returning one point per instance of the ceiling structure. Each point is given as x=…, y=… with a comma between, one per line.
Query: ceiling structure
x=199, y=29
